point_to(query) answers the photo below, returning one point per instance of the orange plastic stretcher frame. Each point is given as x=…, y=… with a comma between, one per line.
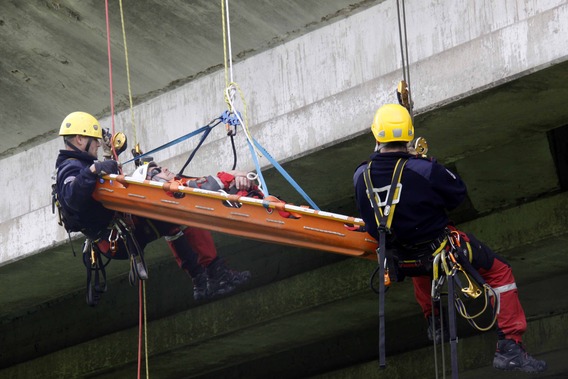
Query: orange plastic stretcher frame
x=253, y=218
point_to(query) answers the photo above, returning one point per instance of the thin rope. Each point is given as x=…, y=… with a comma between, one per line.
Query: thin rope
x=230, y=86
x=139, y=329
x=404, y=52
x=109, y=68
x=142, y=329
x=145, y=331
x=128, y=74
x=227, y=42
x=252, y=146
x=433, y=325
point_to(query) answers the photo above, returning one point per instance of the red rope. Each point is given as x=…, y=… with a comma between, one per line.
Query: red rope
x=109, y=66
x=140, y=321
x=110, y=79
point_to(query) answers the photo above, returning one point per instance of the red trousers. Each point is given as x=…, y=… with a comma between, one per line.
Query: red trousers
x=200, y=242
x=511, y=321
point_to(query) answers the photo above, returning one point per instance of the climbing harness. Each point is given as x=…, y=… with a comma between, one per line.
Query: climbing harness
x=454, y=262
x=125, y=231
x=450, y=263
x=384, y=212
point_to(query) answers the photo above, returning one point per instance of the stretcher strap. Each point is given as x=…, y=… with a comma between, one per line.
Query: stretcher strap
x=284, y=174
x=212, y=124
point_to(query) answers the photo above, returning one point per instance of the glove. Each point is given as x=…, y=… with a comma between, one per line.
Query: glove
x=106, y=167
x=107, y=141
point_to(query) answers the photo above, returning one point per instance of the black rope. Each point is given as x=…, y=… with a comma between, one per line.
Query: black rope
x=203, y=137
x=404, y=53
x=234, y=150
x=453, y=326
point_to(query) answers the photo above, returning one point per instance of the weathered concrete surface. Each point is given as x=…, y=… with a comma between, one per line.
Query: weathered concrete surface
x=330, y=111
x=54, y=53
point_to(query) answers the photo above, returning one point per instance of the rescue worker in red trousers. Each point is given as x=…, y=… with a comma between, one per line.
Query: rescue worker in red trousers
x=78, y=171
x=420, y=219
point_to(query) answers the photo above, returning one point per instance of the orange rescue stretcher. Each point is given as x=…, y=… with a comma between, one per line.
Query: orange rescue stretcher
x=236, y=215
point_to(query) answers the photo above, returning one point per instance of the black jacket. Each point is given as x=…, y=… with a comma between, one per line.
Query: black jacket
x=429, y=190
x=74, y=186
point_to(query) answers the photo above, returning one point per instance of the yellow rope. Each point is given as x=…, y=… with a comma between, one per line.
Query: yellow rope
x=128, y=73
x=230, y=84
x=225, y=49
x=135, y=143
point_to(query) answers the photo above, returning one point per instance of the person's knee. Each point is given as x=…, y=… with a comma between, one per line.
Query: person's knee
x=482, y=256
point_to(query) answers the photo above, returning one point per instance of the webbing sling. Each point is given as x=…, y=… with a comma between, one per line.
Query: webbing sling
x=94, y=264
x=455, y=258
x=384, y=220
x=453, y=327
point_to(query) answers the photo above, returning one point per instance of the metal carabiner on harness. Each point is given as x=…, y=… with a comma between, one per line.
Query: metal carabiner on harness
x=472, y=290
x=454, y=239
x=438, y=280
x=113, y=237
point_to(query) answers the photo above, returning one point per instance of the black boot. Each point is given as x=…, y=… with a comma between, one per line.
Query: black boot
x=512, y=356
x=188, y=261
x=200, y=286
x=222, y=280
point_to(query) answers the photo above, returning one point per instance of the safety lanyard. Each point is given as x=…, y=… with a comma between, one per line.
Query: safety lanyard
x=384, y=215
x=384, y=220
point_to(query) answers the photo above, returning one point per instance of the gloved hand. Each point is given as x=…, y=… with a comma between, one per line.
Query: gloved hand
x=107, y=143
x=106, y=167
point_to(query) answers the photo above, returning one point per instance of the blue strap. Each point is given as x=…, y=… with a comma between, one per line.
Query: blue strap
x=177, y=140
x=258, y=170
x=231, y=119
x=283, y=173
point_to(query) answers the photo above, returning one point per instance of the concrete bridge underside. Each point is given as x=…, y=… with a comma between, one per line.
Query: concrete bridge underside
x=311, y=313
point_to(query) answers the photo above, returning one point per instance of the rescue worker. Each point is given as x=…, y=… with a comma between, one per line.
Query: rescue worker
x=78, y=171
x=428, y=190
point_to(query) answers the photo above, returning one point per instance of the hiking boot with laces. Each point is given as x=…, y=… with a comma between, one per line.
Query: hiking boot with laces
x=200, y=286
x=222, y=280
x=512, y=356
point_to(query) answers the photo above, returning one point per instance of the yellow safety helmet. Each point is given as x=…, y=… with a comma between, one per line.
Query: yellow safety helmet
x=392, y=123
x=81, y=123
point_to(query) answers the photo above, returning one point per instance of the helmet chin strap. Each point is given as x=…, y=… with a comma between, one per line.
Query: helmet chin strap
x=77, y=149
x=72, y=146
x=88, y=144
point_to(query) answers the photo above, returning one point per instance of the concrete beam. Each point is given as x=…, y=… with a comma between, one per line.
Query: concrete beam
x=298, y=104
